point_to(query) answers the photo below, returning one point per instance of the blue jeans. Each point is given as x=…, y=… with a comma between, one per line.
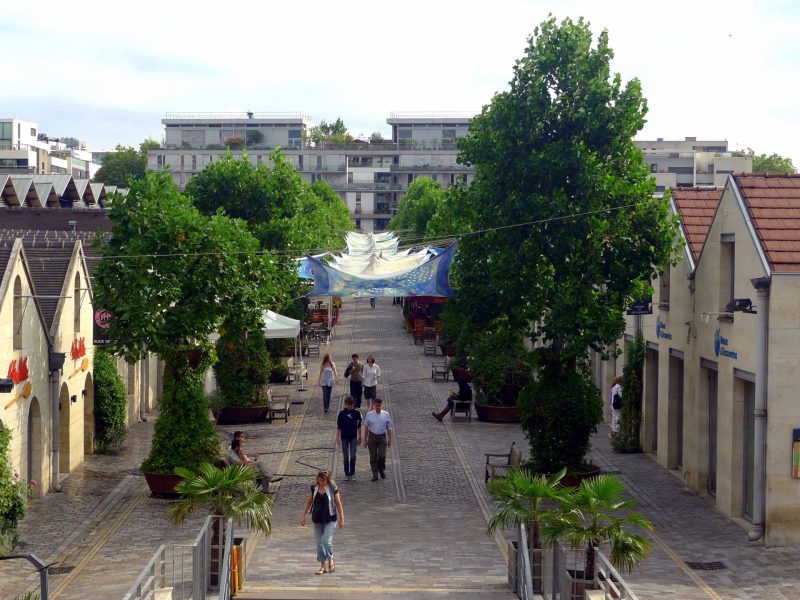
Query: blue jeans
x=356, y=390
x=323, y=534
x=349, y=456
x=326, y=396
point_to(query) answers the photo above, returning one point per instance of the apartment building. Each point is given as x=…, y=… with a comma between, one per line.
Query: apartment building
x=691, y=162
x=722, y=346
x=371, y=177
x=25, y=150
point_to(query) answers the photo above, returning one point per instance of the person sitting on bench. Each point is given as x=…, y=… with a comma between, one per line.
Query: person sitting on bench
x=464, y=395
x=236, y=455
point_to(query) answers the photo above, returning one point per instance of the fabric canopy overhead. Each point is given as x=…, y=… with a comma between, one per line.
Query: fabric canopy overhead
x=430, y=278
x=278, y=326
x=369, y=243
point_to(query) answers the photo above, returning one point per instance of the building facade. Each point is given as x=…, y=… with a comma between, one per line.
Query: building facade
x=370, y=177
x=691, y=162
x=722, y=345
x=24, y=149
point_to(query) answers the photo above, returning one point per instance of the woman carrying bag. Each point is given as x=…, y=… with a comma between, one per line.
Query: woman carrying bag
x=326, y=511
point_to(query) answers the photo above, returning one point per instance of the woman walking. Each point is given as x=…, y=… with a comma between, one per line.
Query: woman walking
x=325, y=504
x=326, y=378
x=370, y=376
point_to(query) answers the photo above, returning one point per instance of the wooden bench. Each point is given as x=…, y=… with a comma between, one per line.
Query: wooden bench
x=462, y=407
x=440, y=370
x=279, y=407
x=497, y=469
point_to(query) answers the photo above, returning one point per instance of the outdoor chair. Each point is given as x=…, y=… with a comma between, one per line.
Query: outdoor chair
x=429, y=347
x=279, y=407
x=440, y=370
x=499, y=469
x=313, y=347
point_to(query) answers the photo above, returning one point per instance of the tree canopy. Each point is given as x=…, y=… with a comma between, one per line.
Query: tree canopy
x=557, y=170
x=170, y=275
x=335, y=132
x=416, y=208
x=769, y=163
x=121, y=166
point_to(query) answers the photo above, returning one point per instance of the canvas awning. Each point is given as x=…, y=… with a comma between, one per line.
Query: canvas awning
x=278, y=326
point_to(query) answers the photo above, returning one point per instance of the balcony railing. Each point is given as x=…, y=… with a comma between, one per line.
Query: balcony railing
x=246, y=116
x=427, y=167
x=365, y=186
x=27, y=147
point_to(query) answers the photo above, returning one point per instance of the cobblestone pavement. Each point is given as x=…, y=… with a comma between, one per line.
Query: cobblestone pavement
x=418, y=534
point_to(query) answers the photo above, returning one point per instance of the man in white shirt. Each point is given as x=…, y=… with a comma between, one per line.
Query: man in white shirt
x=370, y=376
x=377, y=438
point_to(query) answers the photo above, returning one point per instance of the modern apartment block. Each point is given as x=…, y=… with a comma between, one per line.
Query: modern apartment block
x=370, y=177
x=25, y=150
x=690, y=163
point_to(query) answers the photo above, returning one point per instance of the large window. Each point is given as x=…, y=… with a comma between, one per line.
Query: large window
x=5, y=133
x=76, y=302
x=727, y=269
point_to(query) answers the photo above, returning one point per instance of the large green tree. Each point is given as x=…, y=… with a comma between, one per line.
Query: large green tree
x=170, y=275
x=335, y=133
x=416, y=208
x=125, y=164
x=769, y=163
x=572, y=229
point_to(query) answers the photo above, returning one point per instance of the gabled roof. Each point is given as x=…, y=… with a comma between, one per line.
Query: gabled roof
x=696, y=207
x=46, y=193
x=22, y=188
x=60, y=182
x=8, y=253
x=85, y=191
x=773, y=205
x=48, y=268
x=99, y=191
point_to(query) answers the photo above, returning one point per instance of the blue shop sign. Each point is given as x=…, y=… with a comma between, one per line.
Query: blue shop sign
x=721, y=346
x=661, y=330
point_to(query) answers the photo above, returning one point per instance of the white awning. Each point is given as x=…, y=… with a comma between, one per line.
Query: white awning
x=278, y=326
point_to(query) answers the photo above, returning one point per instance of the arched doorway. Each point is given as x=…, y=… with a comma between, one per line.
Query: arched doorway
x=88, y=415
x=35, y=451
x=64, y=422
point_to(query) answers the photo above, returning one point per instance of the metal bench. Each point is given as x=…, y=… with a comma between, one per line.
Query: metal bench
x=496, y=469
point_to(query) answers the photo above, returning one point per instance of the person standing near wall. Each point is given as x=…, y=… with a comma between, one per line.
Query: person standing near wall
x=615, y=402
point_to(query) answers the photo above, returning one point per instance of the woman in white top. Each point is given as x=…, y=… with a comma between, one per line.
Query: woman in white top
x=327, y=377
x=370, y=375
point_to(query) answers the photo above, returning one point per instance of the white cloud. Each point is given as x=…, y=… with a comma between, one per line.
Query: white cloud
x=714, y=69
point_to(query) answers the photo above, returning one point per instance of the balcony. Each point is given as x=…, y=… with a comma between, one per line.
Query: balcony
x=320, y=168
x=367, y=186
x=432, y=168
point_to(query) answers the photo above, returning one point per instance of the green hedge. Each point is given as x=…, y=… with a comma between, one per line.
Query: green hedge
x=110, y=404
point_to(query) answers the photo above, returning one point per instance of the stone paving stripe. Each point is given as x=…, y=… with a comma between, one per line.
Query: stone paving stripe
x=671, y=553
x=117, y=522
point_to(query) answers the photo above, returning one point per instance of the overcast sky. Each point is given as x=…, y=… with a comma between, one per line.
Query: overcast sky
x=108, y=73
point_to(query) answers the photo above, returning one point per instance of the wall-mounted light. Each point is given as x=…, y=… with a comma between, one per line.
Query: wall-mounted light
x=83, y=392
x=6, y=385
x=744, y=305
x=73, y=398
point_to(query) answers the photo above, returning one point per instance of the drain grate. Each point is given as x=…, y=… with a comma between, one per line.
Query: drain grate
x=135, y=472
x=715, y=565
x=59, y=570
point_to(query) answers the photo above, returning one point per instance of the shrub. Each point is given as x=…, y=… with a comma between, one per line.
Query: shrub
x=242, y=368
x=560, y=410
x=14, y=496
x=499, y=360
x=110, y=404
x=628, y=439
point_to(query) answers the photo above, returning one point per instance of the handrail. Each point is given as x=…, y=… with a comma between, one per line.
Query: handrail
x=225, y=569
x=608, y=579
x=44, y=588
x=147, y=573
x=524, y=570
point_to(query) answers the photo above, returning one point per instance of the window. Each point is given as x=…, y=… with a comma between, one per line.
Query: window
x=17, y=318
x=452, y=178
x=410, y=178
x=727, y=269
x=33, y=132
x=76, y=302
x=194, y=162
x=435, y=177
x=653, y=168
x=358, y=203
x=358, y=223
x=5, y=133
x=160, y=161
x=660, y=189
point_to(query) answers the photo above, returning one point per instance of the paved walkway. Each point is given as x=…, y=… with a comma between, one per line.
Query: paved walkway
x=418, y=534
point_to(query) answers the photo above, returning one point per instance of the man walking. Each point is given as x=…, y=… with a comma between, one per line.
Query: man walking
x=377, y=438
x=348, y=435
x=354, y=371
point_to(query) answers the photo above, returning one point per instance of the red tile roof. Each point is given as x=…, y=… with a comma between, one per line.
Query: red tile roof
x=696, y=208
x=773, y=202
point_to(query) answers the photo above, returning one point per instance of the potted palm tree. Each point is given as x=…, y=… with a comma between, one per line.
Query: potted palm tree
x=522, y=497
x=594, y=515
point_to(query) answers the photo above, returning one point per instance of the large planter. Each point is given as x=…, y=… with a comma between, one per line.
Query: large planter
x=231, y=415
x=278, y=376
x=163, y=484
x=459, y=374
x=574, y=478
x=497, y=414
x=448, y=350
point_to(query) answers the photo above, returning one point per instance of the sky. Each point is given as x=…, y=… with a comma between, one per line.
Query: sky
x=108, y=72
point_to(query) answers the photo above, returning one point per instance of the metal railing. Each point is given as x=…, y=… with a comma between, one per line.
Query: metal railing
x=190, y=570
x=245, y=116
x=555, y=573
x=442, y=114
